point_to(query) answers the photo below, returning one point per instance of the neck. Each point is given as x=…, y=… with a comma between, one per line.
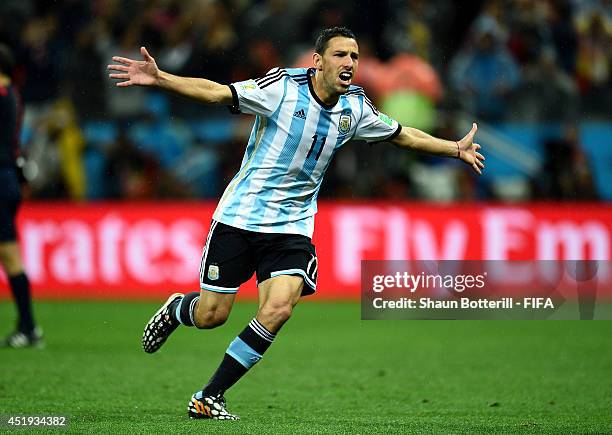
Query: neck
x=324, y=94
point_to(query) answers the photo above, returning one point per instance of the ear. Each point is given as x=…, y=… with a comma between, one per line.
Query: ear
x=317, y=60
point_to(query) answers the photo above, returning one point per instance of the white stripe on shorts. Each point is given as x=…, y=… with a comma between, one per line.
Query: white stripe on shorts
x=205, y=251
x=295, y=272
x=217, y=289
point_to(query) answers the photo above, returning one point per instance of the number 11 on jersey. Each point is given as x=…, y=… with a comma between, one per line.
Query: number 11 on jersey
x=314, y=141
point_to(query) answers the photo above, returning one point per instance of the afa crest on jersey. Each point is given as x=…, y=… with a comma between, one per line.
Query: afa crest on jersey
x=344, y=125
x=213, y=272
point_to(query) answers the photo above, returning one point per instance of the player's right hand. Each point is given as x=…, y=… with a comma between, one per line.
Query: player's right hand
x=135, y=72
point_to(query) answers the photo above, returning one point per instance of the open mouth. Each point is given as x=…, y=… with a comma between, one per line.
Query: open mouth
x=345, y=77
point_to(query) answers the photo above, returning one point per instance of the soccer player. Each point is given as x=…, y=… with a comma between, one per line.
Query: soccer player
x=26, y=334
x=264, y=221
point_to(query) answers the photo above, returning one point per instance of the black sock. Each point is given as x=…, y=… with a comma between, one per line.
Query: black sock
x=20, y=286
x=182, y=310
x=242, y=354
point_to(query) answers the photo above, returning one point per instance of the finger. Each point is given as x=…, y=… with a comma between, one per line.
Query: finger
x=123, y=84
x=479, y=164
x=477, y=169
x=472, y=131
x=145, y=54
x=119, y=76
x=468, y=138
x=124, y=60
x=480, y=156
x=477, y=146
x=118, y=67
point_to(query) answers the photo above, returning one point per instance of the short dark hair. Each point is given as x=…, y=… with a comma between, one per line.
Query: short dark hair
x=326, y=34
x=7, y=61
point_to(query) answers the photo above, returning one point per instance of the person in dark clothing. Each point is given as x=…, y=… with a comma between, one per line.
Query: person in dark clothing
x=26, y=334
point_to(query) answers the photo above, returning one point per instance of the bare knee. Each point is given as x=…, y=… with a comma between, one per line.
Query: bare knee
x=274, y=314
x=210, y=318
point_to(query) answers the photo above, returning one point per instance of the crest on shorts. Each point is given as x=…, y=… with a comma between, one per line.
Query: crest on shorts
x=344, y=126
x=213, y=272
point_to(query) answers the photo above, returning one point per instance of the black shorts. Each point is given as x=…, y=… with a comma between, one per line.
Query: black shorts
x=10, y=198
x=232, y=255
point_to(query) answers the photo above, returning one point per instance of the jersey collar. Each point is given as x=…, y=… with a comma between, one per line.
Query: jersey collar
x=311, y=72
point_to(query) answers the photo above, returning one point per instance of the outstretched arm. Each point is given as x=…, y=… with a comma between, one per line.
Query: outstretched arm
x=146, y=73
x=464, y=149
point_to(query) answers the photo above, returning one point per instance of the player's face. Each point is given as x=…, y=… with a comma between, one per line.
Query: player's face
x=339, y=63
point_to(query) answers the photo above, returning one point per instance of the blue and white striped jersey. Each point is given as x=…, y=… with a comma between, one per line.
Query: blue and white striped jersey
x=291, y=146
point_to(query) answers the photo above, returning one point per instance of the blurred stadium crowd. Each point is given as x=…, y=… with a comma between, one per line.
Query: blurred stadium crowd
x=515, y=66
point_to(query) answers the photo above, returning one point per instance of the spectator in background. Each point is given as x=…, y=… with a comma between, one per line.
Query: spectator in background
x=320, y=15
x=83, y=81
x=594, y=59
x=214, y=41
x=26, y=333
x=66, y=134
x=566, y=174
x=177, y=45
x=484, y=74
x=14, y=14
x=137, y=175
x=121, y=40
x=275, y=21
x=494, y=13
x=158, y=134
x=410, y=31
x=132, y=173
x=563, y=34
x=56, y=151
x=39, y=59
x=529, y=30
x=547, y=93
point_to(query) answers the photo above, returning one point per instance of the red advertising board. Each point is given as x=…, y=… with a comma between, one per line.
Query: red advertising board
x=146, y=250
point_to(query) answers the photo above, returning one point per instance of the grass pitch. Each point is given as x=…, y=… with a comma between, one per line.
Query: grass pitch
x=328, y=372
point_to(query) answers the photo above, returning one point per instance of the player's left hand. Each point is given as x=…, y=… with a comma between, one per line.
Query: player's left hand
x=468, y=151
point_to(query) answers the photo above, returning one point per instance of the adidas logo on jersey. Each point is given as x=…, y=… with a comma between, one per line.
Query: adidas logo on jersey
x=300, y=114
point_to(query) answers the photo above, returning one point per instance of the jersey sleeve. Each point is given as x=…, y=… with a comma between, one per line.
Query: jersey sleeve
x=375, y=126
x=260, y=96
